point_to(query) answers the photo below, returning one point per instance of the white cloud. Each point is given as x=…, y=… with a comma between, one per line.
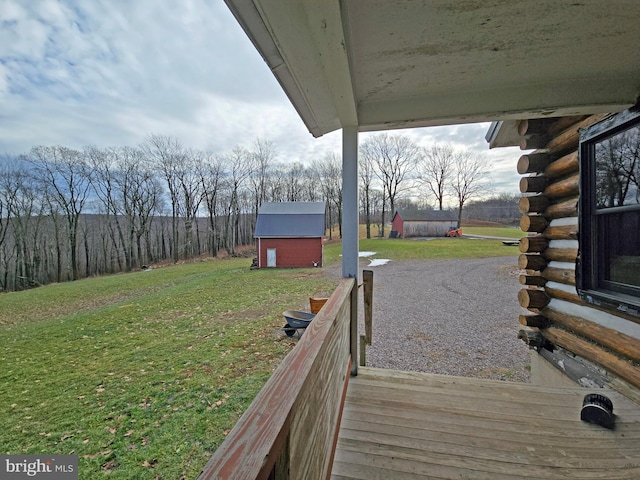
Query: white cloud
x=111, y=72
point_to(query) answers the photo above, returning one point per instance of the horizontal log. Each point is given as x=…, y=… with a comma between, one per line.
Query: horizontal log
x=534, y=126
x=531, y=261
x=533, y=338
x=562, y=294
x=533, y=223
x=534, y=142
x=621, y=343
x=533, y=184
x=561, y=254
x=568, y=187
x=560, y=275
x=594, y=353
x=569, y=138
x=530, y=298
x=560, y=124
x=533, y=204
x=535, y=321
x=561, y=232
x=566, y=208
x=533, y=280
x=533, y=163
x=563, y=166
x=533, y=244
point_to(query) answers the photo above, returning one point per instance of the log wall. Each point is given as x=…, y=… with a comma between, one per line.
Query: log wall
x=559, y=318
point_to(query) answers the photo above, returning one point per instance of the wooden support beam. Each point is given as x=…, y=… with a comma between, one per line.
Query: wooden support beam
x=560, y=275
x=535, y=321
x=531, y=261
x=367, y=292
x=530, y=298
x=533, y=244
x=533, y=163
x=363, y=351
x=532, y=280
x=533, y=204
x=533, y=223
x=594, y=353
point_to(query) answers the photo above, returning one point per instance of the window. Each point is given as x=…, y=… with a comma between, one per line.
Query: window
x=608, y=272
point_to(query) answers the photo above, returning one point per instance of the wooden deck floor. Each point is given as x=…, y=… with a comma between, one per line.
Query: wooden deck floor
x=403, y=425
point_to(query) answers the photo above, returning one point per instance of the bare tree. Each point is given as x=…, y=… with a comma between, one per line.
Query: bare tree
x=167, y=154
x=329, y=174
x=263, y=156
x=190, y=188
x=212, y=178
x=435, y=170
x=470, y=179
x=394, y=156
x=240, y=170
x=366, y=174
x=65, y=175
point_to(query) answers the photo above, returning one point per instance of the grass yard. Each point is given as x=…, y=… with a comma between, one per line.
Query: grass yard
x=142, y=374
x=440, y=248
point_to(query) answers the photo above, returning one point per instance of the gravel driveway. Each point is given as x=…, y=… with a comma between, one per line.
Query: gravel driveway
x=455, y=317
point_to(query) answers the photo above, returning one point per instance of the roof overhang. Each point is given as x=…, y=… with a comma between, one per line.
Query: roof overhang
x=382, y=64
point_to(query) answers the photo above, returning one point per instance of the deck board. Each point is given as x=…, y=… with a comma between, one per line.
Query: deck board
x=407, y=425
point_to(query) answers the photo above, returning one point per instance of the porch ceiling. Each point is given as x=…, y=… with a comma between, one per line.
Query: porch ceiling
x=383, y=64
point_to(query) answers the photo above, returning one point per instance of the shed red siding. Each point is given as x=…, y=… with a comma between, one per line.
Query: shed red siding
x=292, y=252
x=398, y=225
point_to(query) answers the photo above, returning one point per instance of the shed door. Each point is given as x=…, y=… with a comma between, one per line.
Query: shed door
x=271, y=257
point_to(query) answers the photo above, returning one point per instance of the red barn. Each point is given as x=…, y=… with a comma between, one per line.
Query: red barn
x=290, y=234
x=422, y=223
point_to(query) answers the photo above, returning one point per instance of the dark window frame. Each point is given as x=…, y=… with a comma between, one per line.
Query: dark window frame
x=590, y=282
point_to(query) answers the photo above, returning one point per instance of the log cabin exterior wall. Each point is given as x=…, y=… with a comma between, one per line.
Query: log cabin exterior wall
x=550, y=203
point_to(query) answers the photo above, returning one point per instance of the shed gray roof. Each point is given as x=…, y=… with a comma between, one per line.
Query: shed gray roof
x=427, y=215
x=292, y=208
x=290, y=219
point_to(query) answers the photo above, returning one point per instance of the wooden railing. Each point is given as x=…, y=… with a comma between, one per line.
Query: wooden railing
x=290, y=430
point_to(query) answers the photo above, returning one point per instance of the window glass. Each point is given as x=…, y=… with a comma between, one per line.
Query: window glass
x=618, y=170
x=620, y=249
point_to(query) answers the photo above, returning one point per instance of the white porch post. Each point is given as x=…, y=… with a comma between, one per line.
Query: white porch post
x=350, y=229
x=350, y=202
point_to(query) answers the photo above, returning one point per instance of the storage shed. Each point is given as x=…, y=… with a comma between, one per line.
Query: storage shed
x=290, y=234
x=422, y=223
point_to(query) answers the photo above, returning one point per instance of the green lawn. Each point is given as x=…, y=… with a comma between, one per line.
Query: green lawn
x=142, y=374
x=407, y=249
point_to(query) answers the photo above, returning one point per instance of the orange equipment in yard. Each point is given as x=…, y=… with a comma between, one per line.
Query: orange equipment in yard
x=454, y=232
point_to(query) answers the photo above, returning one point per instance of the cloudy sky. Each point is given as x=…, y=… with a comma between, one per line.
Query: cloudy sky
x=111, y=72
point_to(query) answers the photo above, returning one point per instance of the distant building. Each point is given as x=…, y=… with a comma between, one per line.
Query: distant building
x=422, y=223
x=290, y=234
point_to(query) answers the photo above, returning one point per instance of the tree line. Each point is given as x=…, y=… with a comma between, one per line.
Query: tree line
x=66, y=214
